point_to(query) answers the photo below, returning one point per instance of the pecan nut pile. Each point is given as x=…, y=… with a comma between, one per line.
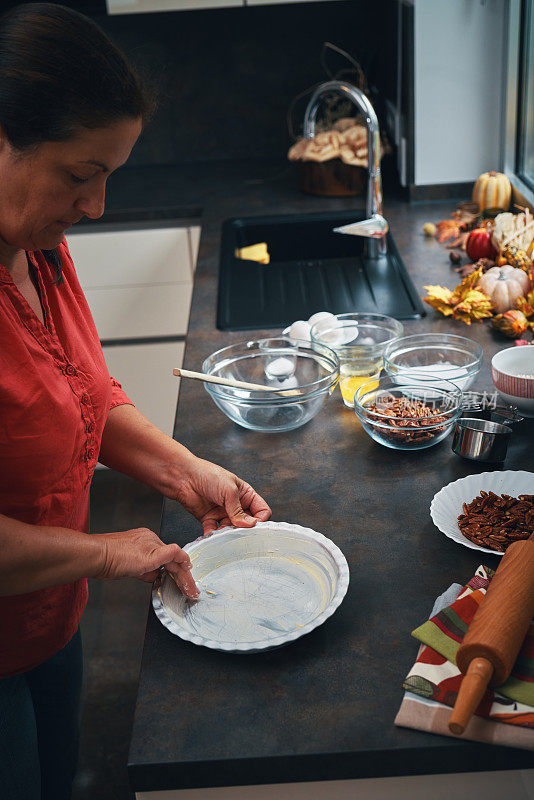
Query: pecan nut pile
x=496, y=521
x=406, y=419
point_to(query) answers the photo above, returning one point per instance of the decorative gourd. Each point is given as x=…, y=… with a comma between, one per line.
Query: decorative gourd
x=515, y=257
x=503, y=285
x=512, y=323
x=492, y=190
x=514, y=229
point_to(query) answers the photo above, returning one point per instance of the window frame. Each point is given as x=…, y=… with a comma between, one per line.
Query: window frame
x=520, y=13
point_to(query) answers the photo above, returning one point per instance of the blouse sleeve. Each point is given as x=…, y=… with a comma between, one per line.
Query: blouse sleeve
x=118, y=395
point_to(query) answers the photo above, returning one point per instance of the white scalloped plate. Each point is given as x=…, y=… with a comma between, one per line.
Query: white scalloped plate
x=447, y=504
x=261, y=587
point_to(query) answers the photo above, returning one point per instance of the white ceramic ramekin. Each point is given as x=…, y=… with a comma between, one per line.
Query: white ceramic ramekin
x=506, y=368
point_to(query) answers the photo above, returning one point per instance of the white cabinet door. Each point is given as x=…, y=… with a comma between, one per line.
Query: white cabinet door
x=514, y=784
x=277, y=2
x=131, y=258
x=148, y=6
x=140, y=312
x=138, y=283
x=145, y=371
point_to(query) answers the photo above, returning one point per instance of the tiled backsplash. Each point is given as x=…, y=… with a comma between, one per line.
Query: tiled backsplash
x=227, y=76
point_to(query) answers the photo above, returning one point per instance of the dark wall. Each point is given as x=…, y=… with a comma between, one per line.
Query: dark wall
x=227, y=76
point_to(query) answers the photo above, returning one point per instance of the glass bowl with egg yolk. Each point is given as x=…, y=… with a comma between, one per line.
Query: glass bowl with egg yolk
x=359, y=341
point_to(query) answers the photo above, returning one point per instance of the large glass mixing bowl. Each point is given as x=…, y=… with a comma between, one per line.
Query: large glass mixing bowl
x=307, y=371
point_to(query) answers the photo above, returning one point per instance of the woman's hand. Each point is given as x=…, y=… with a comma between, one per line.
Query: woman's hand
x=217, y=497
x=139, y=554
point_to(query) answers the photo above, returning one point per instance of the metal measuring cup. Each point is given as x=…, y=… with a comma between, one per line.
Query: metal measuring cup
x=481, y=439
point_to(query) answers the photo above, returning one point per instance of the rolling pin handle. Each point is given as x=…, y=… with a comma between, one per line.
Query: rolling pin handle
x=471, y=692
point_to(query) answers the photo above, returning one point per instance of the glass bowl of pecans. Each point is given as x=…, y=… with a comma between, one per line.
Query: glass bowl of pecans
x=411, y=416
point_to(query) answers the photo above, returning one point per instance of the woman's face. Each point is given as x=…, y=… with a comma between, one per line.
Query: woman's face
x=45, y=191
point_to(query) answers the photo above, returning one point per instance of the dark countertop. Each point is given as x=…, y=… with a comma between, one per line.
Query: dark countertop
x=323, y=707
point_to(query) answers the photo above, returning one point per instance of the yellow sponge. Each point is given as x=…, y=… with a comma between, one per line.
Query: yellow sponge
x=254, y=252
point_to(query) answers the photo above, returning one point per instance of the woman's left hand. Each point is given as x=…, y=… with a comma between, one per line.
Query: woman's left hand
x=218, y=498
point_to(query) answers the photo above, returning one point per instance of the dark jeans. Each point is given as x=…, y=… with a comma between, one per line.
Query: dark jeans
x=39, y=728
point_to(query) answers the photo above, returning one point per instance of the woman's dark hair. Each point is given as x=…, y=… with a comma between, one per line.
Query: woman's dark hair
x=59, y=74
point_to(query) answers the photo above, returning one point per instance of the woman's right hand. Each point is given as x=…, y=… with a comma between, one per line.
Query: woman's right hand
x=139, y=553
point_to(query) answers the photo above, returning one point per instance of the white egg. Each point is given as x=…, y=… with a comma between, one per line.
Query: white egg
x=300, y=330
x=331, y=337
x=320, y=315
x=349, y=333
x=339, y=334
x=286, y=383
x=325, y=326
x=280, y=368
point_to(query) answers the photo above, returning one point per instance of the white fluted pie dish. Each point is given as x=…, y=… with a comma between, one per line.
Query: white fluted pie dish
x=260, y=588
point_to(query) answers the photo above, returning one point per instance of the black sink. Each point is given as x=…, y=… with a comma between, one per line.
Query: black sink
x=311, y=269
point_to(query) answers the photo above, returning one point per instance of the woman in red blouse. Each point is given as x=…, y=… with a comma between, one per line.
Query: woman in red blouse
x=71, y=110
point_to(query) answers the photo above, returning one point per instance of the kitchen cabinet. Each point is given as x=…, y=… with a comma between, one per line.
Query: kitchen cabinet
x=145, y=371
x=277, y=2
x=143, y=257
x=446, y=150
x=518, y=784
x=149, y=6
x=134, y=312
x=138, y=284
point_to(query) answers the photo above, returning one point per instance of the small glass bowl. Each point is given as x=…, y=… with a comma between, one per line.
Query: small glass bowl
x=374, y=405
x=280, y=363
x=359, y=340
x=444, y=355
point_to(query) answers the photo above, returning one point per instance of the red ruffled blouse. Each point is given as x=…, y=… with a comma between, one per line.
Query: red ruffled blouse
x=55, y=396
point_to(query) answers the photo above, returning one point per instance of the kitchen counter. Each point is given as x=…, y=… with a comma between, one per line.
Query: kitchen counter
x=323, y=707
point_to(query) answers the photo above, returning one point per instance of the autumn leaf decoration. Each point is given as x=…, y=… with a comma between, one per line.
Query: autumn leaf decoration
x=526, y=305
x=466, y=302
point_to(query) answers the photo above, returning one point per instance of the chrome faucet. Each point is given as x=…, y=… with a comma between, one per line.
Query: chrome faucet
x=375, y=226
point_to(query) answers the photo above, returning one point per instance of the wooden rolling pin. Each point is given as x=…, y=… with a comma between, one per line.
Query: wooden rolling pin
x=497, y=631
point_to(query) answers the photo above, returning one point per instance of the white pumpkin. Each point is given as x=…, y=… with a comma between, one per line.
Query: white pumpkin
x=503, y=285
x=492, y=190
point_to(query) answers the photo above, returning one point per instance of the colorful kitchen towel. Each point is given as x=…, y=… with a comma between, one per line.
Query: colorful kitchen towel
x=432, y=717
x=435, y=675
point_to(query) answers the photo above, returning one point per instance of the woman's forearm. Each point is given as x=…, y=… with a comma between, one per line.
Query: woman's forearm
x=133, y=445
x=35, y=556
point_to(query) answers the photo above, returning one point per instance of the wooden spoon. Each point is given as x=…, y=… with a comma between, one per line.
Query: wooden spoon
x=254, y=387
